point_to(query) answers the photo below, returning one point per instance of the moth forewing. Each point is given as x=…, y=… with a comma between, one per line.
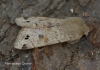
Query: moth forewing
x=42, y=31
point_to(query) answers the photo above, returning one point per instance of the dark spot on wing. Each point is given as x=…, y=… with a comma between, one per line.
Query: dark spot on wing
x=25, y=18
x=27, y=37
x=24, y=46
x=40, y=36
x=36, y=24
x=27, y=21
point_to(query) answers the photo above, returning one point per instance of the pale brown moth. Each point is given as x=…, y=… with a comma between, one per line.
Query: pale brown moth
x=42, y=31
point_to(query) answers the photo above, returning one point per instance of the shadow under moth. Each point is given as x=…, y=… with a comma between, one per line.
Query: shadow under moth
x=42, y=31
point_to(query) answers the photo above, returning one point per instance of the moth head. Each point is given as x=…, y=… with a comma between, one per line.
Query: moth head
x=23, y=22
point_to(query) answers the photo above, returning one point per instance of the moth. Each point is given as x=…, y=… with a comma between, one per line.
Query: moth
x=42, y=31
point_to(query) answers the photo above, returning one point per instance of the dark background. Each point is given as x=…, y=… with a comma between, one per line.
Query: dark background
x=84, y=55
